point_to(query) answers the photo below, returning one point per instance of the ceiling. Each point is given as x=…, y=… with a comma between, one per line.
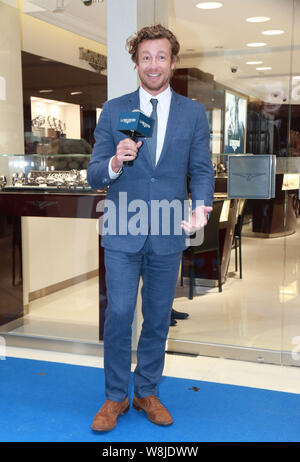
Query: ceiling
x=62, y=79
x=215, y=41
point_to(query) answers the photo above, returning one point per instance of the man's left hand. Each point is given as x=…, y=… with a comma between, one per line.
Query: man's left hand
x=198, y=219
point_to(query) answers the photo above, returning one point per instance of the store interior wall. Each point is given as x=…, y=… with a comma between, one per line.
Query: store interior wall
x=11, y=99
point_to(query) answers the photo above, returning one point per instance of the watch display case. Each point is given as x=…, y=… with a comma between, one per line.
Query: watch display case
x=50, y=246
x=219, y=162
x=44, y=173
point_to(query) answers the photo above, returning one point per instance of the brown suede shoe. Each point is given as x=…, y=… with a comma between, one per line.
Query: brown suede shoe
x=106, y=418
x=156, y=412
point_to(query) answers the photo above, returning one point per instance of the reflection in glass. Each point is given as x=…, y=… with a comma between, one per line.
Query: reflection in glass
x=235, y=123
x=260, y=311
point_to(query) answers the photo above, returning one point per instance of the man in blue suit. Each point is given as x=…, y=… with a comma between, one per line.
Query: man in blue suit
x=179, y=148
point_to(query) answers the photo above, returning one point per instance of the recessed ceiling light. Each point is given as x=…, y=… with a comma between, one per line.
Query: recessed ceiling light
x=256, y=44
x=273, y=32
x=266, y=68
x=258, y=19
x=45, y=91
x=209, y=5
x=254, y=62
x=76, y=93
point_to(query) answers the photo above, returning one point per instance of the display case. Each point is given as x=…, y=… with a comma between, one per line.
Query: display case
x=49, y=242
x=44, y=173
x=219, y=162
x=267, y=215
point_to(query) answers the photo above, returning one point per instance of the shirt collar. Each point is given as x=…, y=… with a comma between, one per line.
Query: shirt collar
x=145, y=96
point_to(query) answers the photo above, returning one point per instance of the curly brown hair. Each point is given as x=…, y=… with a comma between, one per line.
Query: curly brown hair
x=151, y=33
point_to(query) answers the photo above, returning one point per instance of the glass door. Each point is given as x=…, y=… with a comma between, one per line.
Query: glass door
x=249, y=85
x=290, y=291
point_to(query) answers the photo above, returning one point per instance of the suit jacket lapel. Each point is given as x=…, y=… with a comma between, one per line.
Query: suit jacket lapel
x=134, y=100
x=173, y=120
x=134, y=103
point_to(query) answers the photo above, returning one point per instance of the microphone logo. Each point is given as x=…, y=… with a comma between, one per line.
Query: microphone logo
x=145, y=125
x=128, y=121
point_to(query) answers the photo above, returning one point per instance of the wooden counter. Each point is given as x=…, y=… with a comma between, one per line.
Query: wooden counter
x=275, y=217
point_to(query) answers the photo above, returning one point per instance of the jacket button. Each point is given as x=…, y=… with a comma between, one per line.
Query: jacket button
x=153, y=180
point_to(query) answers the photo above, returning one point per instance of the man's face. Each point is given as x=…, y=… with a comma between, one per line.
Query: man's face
x=155, y=65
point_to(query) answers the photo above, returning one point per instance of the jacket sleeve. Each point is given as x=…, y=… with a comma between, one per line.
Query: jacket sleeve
x=104, y=149
x=201, y=171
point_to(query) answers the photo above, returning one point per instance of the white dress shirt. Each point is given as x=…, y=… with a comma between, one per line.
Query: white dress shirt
x=163, y=109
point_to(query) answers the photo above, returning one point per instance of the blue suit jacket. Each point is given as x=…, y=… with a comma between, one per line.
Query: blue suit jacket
x=185, y=153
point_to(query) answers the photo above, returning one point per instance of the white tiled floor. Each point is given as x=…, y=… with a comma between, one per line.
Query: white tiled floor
x=259, y=311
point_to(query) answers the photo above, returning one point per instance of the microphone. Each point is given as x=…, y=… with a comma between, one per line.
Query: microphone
x=135, y=124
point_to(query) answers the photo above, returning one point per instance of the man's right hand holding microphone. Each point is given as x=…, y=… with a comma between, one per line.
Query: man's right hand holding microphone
x=127, y=150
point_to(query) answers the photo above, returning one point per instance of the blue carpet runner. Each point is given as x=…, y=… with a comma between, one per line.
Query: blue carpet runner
x=53, y=402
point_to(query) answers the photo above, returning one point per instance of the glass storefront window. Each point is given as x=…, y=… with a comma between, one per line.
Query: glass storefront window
x=254, y=317
x=246, y=76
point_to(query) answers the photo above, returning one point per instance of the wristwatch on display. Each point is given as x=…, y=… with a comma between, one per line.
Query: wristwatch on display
x=53, y=179
x=3, y=181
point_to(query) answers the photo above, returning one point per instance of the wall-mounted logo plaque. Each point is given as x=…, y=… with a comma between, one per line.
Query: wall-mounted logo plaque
x=251, y=176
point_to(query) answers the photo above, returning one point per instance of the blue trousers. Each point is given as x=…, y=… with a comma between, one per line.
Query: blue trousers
x=159, y=275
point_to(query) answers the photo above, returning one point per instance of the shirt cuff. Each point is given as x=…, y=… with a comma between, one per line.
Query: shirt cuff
x=113, y=175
